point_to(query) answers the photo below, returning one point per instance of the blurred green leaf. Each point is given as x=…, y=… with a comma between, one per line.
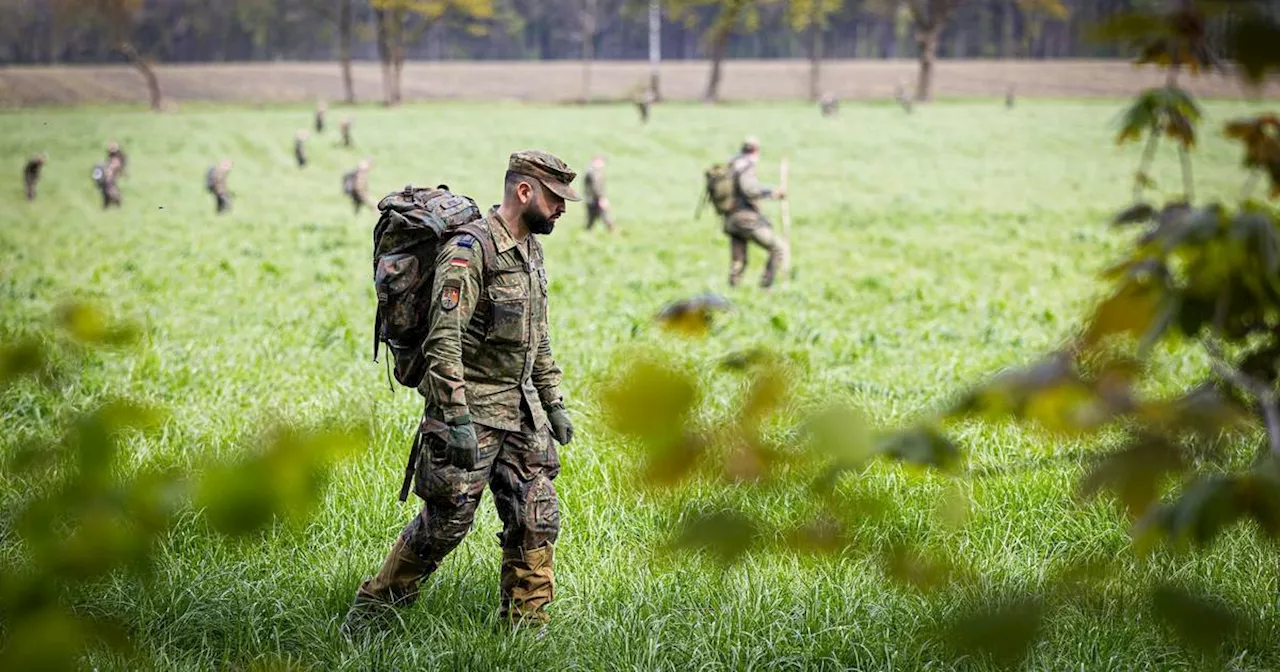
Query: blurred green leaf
x=1168, y=111
x=921, y=446
x=21, y=358
x=1134, y=474
x=911, y=567
x=1199, y=621
x=1254, y=41
x=693, y=316
x=726, y=536
x=825, y=535
x=1001, y=632
x=1135, y=214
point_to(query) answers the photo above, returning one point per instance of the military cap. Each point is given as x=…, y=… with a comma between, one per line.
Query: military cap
x=553, y=173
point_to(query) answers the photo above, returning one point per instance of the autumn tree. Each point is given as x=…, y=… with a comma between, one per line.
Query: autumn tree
x=929, y=18
x=812, y=16
x=403, y=22
x=120, y=21
x=729, y=17
x=339, y=13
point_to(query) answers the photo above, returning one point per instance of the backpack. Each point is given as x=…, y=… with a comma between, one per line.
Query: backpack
x=722, y=187
x=412, y=225
x=99, y=174
x=210, y=180
x=349, y=183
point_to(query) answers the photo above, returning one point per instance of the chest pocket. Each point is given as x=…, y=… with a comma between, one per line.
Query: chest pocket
x=510, y=303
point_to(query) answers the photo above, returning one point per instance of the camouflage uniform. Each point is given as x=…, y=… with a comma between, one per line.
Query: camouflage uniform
x=345, y=127
x=217, y=183
x=597, y=207
x=114, y=153
x=31, y=175
x=643, y=103
x=488, y=354
x=356, y=183
x=830, y=105
x=300, y=148
x=107, y=182
x=745, y=224
x=320, y=110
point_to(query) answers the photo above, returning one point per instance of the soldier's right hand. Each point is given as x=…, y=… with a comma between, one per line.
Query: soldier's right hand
x=780, y=194
x=464, y=448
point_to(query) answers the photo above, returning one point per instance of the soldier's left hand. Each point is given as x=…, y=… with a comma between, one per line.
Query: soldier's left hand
x=561, y=425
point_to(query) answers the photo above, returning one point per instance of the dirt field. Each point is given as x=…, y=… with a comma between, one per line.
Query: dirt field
x=562, y=80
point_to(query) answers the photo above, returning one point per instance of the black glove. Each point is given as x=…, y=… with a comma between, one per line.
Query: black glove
x=464, y=449
x=561, y=426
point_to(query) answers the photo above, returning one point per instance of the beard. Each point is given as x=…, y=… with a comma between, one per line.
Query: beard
x=538, y=222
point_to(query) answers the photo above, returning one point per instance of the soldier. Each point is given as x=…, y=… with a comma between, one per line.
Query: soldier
x=345, y=126
x=829, y=104
x=321, y=108
x=642, y=105
x=31, y=174
x=745, y=224
x=597, y=202
x=1009, y=98
x=900, y=95
x=356, y=185
x=216, y=181
x=105, y=175
x=300, y=147
x=114, y=152
x=493, y=404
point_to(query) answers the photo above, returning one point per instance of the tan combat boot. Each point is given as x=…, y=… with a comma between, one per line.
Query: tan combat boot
x=395, y=585
x=528, y=585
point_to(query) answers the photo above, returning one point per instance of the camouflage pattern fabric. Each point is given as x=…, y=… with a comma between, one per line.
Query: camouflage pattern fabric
x=488, y=349
x=593, y=188
x=746, y=225
x=31, y=176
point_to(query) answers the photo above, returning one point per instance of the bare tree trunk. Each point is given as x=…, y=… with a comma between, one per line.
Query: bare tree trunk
x=655, y=48
x=815, y=54
x=927, y=39
x=344, y=50
x=397, y=71
x=148, y=73
x=588, y=46
x=1006, y=37
x=382, y=21
x=718, y=46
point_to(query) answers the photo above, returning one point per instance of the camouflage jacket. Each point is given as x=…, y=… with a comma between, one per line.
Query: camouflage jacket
x=748, y=192
x=593, y=186
x=488, y=347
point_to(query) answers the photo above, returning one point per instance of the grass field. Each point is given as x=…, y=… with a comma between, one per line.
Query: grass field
x=931, y=250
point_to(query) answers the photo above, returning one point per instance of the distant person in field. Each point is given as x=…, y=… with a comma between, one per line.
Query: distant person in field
x=643, y=103
x=321, y=108
x=31, y=174
x=597, y=201
x=494, y=412
x=745, y=224
x=115, y=153
x=345, y=127
x=300, y=147
x=107, y=175
x=1010, y=97
x=829, y=104
x=904, y=101
x=356, y=185
x=216, y=182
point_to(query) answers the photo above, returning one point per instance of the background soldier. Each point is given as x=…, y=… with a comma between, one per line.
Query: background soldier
x=1009, y=97
x=31, y=174
x=300, y=147
x=321, y=108
x=642, y=105
x=597, y=202
x=745, y=224
x=345, y=126
x=115, y=153
x=105, y=175
x=493, y=403
x=830, y=105
x=356, y=184
x=900, y=95
x=216, y=181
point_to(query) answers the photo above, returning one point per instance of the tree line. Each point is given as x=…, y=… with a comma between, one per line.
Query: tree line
x=142, y=32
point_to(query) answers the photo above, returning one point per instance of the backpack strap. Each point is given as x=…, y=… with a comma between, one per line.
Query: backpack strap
x=488, y=253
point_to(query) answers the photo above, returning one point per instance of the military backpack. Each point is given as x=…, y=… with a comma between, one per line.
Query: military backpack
x=413, y=224
x=721, y=188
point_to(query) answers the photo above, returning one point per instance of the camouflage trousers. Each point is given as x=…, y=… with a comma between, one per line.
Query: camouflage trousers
x=30, y=189
x=222, y=201
x=597, y=212
x=518, y=467
x=361, y=200
x=110, y=196
x=758, y=232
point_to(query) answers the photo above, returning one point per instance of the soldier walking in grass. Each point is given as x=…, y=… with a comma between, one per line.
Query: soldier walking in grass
x=643, y=103
x=829, y=104
x=356, y=185
x=321, y=108
x=216, y=182
x=745, y=224
x=494, y=411
x=31, y=175
x=106, y=175
x=345, y=127
x=300, y=147
x=597, y=201
x=904, y=101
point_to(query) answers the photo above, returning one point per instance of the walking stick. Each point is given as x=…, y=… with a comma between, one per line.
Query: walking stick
x=786, y=217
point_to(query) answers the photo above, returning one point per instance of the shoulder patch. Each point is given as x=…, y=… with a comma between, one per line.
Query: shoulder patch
x=466, y=240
